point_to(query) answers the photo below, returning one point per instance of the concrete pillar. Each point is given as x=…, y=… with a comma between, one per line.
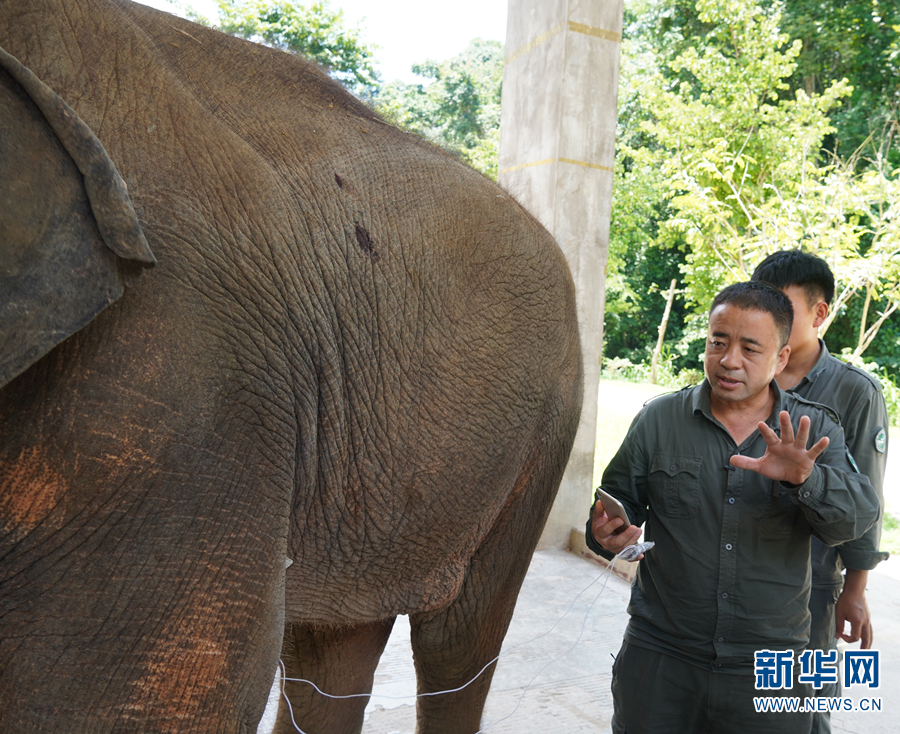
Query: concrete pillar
x=557, y=143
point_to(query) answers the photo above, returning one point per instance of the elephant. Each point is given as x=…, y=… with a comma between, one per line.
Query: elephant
x=274, y=373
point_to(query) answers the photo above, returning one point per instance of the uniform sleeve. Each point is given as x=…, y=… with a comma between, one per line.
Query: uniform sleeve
x=838, y=501
x=625, y=478
x=866, y=435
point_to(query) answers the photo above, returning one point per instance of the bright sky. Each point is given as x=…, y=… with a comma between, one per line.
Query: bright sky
x=405, y=31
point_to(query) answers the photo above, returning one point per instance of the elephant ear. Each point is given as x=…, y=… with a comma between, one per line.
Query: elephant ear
x=69, y=237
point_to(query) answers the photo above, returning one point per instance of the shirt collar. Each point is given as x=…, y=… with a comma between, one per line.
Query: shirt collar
x=778, y=405
x=819, y=367
x=700, y=401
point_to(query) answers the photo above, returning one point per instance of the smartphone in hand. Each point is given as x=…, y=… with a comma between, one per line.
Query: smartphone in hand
x=612, y=507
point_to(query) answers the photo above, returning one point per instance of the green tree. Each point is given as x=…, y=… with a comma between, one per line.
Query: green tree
x=724, y=163
x=314, y=31
x=858, y=206
x=638, y=271
x=746, y=176
x=731, y=148
x=458, y=107
x=854, y=40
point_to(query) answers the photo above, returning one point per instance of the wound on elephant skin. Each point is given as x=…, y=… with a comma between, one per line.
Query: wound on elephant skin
x=365, y=242
x=340, y=182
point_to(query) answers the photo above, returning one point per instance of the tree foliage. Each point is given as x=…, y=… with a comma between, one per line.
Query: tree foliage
x=315, y=31
x=731, y=150
x=637, y=270
x=720, y=160
x=458, y=107
x=854, y=40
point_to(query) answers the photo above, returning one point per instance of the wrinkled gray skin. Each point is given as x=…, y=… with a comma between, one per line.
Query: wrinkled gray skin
x=352, y=352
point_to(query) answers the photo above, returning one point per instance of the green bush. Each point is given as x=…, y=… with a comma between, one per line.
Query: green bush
x=891, y=395
x=620, y=368
x=890, y=533
x=667, y=374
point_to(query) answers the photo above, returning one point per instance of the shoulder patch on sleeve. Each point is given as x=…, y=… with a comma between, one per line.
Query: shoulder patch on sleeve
x=881, y=441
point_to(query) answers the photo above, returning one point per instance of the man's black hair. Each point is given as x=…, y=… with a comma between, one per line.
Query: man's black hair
x=795, y=267
x=754, y=295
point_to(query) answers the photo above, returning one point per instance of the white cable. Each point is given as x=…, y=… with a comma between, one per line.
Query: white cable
x=286, y=699
x=608, y=571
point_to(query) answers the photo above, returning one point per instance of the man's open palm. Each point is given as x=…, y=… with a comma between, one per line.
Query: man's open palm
x=786, y=459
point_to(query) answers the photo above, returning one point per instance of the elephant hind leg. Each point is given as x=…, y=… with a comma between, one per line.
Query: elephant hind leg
x=340, y=661
x=451, y=646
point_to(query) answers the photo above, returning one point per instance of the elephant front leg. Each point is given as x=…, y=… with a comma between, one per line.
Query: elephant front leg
x=340, y=661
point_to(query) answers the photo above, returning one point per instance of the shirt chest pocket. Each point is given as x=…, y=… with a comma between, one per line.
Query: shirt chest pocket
x=779, y=503
x=675, y=484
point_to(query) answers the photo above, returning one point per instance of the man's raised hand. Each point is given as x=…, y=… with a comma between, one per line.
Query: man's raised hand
x=786, y=459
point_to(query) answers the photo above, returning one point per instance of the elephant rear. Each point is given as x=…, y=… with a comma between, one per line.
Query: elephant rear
x=347, y=390
x=454, y=412
x=448, y=356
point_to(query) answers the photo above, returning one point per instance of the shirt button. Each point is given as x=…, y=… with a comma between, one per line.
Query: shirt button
x=672, y=468
x=731, y=500
x=728, y=546
x=721, y=639
x=725, y=595
x=806, y=494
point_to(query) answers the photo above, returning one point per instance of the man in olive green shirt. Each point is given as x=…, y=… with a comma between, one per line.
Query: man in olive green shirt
x=855, y=396
x=730, y=494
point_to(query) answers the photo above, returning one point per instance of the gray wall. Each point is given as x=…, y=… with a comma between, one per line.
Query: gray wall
x=557, y=143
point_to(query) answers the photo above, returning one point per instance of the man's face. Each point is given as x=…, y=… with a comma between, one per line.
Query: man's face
x=743, y=353
x=807, y=319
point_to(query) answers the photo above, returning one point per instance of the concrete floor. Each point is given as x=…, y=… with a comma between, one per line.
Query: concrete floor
x=554, y=672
